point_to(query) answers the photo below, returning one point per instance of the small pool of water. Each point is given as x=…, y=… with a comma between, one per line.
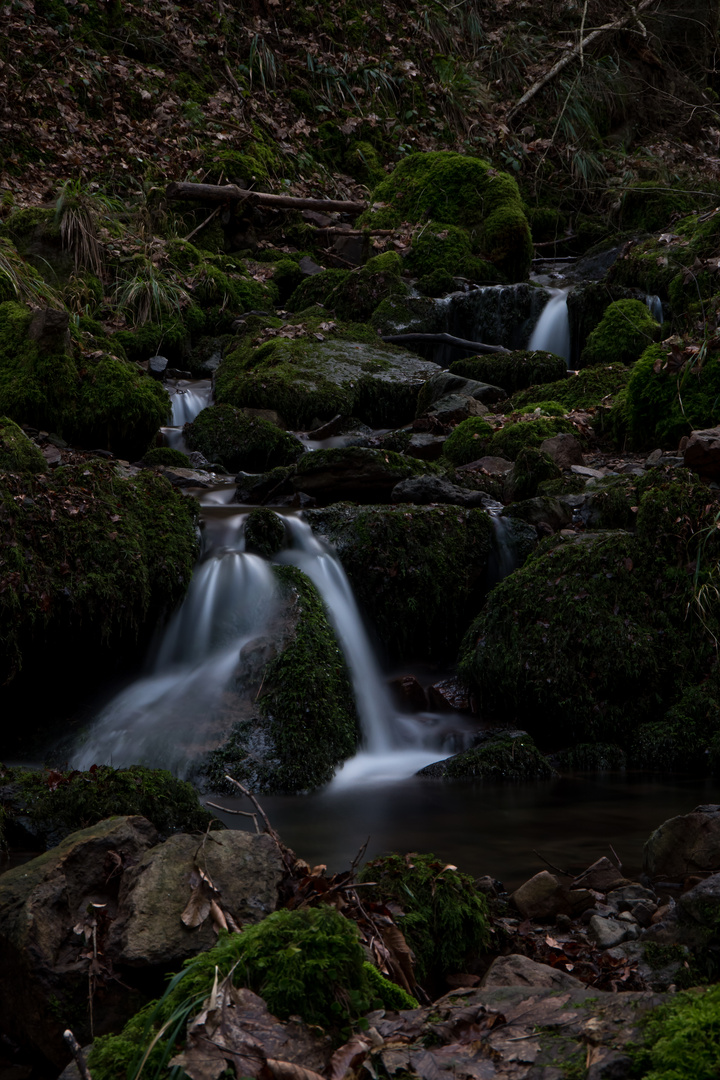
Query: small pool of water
x=484, y=828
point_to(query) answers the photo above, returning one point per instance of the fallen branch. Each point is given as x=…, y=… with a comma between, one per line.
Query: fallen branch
x=76, y=1051
x=231, y=193
x=444, y=339
x=575, y=54
x=204, y=223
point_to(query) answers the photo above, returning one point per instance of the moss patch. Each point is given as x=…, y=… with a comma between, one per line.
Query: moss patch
x=165, y=455
x=624, y=332
x=586, y=390
x=507, y=757
x=227, y=435
x=264, y=532
x=681, y=1038
x=17, y=452
x=663, y=403
x=512, y=438
x=468, y=440
x=513, y=371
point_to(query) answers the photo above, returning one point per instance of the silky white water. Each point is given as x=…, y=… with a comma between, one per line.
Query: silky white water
x=188, y=400
x=552, y=331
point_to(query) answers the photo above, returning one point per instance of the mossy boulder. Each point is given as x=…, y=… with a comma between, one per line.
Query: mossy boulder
x=508, y=756
x=688, y=736
x=665, y=401
x=170, y=339
x=649, y=205
x=573, y=642
x=305, y=722
x=454, y=190
x=449, y=251
x=308, y=380
x=166, y=455
x=90, y=560
x=592, y=757
x=42, y=806
x=586, y=304
x=624, y=332
x=532, y=467
x=264, y=532
x=509, y=440
x=417, y=571
x=467, y=441
x=513, y=371
x=108, y=403
x=359, y=473
x=588, y=389
x=229, y=436
x=17, y=452
x=445, y=918
x=355, y=294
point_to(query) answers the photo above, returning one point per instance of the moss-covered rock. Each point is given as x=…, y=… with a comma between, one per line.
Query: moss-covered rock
x=17, y=452
x=352, y=294
x=624, y=332
x=532, y=467
x=502, y=757
x=455, y=190
x=688, y=736
x=445, y=918
x=665, y=401
x=359, y=473
x=649, y=205
x=416, y=570
x=229, y=436
x=586, y=390
x=306, y=724
x=436, y=283
x=513, y=371
x=572, y=644
x=165, y=455
x=448, y=250
x=264, y=532
x=592, y=757
x=509, y=440
x=89, y=561
x=467, y=441
x=44, y=806
x=108, y=404
x=308, y=380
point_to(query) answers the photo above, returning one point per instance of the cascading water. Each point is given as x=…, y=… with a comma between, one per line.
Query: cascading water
x=654, y=305
x=552, y=331
x=187, y=400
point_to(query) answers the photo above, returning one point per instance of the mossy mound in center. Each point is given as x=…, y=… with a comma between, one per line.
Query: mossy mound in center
x=229, y=436
x=309, y=380
x=453, y=189
x=513, y=371
x=624, y=332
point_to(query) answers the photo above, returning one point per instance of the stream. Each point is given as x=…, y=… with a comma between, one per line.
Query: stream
x=165, y=716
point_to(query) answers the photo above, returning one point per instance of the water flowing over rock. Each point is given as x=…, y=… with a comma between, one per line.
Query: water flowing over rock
x=552, y=332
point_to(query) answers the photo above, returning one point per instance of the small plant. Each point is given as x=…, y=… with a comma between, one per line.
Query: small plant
x=20, y=281
x=682, y=1038
x=79, y=212
x=150, y=295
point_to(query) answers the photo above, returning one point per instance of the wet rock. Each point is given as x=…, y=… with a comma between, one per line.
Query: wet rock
x=264, y=532
x=493, y=466
x=408, y=693
x=702, y=452
x=541, y=897
x=541, y=509
x=270, y=415
x=245, y=868
x=564, y=449
x=43, y=960
x=507, y=756
x=454, y=408
x=449, y=694
x=352, y=473
x=630, y=895
x=426, y=446
x=445, y=394
x=609, y=932
x=602, y=876
x=188, y=478
x=518, y=970
x=49, y=328
x=587, y=473
x=426, y=489
x=644, y=911
x=157, y=367
x=684, y=844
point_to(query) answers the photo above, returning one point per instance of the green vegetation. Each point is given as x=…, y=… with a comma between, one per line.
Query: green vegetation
x=89, y=559
x=59, y=802
x=165, y=455
x=682, y=1038
x=506, y=757
x=586, y=390
x=687, y=738
x=468, y=440
x=665, y=401
x=454, y=190
x=532, y=468
x=650, y=205
x=448, y=251
x=509, y=440
x=264, y=532
x=513, y=371
x=17, y=452
x=624, y=332
x=592, y=757
x=307, y=963
x=229, y=436
x=445, y=918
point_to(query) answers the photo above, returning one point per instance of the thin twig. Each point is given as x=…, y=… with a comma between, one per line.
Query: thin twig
x=557, y=868
x=617, y=858
x=268, y=827
x=227, y=810
x=203, y=223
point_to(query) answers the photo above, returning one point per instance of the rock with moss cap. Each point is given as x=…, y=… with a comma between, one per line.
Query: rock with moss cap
x=308, y=380
x=452, y=189
x=17, y=452
x=500, y=756
x=427, y=560
x=229, y=436
x=663, y=402
x=264, y=532
x=513, y=371
x=354, y=472
x=589, y=388
x=622, y=335
x=447, y=252
x=166, y=455
x=353, y=295
x=452, y=398
x=531, y=468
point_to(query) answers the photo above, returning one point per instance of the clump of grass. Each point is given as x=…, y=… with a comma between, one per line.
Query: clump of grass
x=20, y=281
x=150, y=295
x=79, y=212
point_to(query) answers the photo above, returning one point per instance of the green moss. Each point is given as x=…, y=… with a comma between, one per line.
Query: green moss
x=287, y=276
x=511, y=439
x=664, y=403
x=592, y=757
x=353, y=294
x=682, y=1038
x=513, y=371
x=89, y=560
x=229, y=436
x=468, y=440
x=436, y=283
x=623, y=333
x=445, y=920
x=417, y=571
x=650, y=205
x=17, y=452
x=316, y=289
x=450, y=250
x=532, y=468
x=264, y=532
x=544, y=408
x=58, y=803
x=586, y=390
x=685, y=739
x=454, y=190
x=169, y=339
x=165, y=455
x=503, y=758
x=120, y=408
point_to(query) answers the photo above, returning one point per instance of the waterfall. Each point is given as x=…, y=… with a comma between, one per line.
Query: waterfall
x=189, y=400
x=552, y=332
x=654, y=304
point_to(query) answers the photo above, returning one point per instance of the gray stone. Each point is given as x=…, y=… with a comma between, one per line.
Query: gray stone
x=454, y=408
x=608, y=932
x=493, y=466
x=702, y=903
x=541, y=509
x=541, y=897
x=653, y=459
x=425, y=446
x=49, y=329
x=686, y=844
x=702, y=452
x=630, y=893
x=428, y=488
x=564, y=449
x=518, y=970
x=188, y=478
x=245, y=868
x=588, y=473
x=157, y=366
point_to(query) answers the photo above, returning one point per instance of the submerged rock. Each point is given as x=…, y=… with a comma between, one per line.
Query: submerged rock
x=505, y=756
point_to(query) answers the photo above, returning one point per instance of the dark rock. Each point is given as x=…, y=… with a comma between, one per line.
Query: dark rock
x=684, y=844
x=408, y=693
x=449, y=694
x=157, y=367
x=518, y=970
x=541, y=509
x=602, y=876
x=50, y=329
x=564, y=449
x=426, y=446
x=702, y=452
x=426, y=489
x=444, y=393
x=541, y=897
x=352, y=473
x=506, y=756
x=308, y=267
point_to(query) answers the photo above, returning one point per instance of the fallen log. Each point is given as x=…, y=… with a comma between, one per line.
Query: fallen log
x=231, y=193
x=444, y=339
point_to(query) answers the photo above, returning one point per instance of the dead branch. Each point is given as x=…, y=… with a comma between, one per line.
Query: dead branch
x=574, y=54
x=557, y=869
x=444, y=339
x=240, y=813
x=231, y=193
x=76, y=1051
x=203, y=223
